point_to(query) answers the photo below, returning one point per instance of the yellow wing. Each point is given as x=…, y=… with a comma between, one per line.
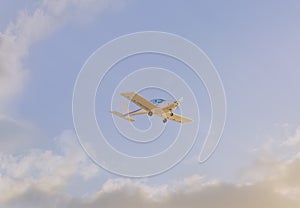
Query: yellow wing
x=178, y=118
x=139, y=100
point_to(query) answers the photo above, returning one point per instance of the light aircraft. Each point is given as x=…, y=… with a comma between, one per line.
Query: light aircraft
x=158, y=107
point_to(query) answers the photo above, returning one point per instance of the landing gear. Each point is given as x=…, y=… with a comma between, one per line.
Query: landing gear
x=150, y=113
x=171, y=114
x=165, y=120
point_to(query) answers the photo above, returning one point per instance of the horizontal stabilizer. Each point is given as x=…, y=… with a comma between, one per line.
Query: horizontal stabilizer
x=122, y=116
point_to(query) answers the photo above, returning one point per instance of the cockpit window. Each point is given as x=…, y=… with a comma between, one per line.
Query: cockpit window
x=157, y=101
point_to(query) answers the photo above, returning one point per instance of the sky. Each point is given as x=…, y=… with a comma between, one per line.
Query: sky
x=254, y=47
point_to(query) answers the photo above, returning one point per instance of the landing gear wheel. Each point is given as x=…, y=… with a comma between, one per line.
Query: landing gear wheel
x=150, y=113
x=165, y=120
x=171, y=114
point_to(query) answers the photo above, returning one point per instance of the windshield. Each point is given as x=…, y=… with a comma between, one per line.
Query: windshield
x=157, y=101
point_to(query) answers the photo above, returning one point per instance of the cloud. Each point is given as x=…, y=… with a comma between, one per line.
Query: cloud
x=31, y=27
x=43, y=171
x=17, y=136
x=39, y=179
x=127, y=193
x=198, y=194
x=294, y=140
x=15, y=43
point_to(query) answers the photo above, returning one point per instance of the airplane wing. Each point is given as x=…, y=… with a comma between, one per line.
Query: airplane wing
x=139, y=100
x=178, y=118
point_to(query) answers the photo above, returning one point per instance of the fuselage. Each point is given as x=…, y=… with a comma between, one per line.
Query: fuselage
x=165, y=105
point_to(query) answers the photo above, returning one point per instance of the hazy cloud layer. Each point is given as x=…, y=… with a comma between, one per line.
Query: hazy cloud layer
x=39, y=179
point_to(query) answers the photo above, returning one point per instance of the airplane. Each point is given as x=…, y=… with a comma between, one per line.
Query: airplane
x=159, y=107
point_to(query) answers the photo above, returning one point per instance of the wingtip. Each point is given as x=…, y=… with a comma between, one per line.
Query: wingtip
x=186, y=120
x=124, y=94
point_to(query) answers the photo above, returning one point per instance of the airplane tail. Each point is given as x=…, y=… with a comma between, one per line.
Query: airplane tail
x=123, y=116
x=180, y=100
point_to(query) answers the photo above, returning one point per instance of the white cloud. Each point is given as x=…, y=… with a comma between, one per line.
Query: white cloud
x=30, y=27
x=294, y=140
x=127, y=193
x=39, y=179
x=14, y=46
x=16, y=136
x=44, y=171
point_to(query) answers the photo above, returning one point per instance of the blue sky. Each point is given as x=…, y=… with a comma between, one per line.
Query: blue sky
x=254, y=46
